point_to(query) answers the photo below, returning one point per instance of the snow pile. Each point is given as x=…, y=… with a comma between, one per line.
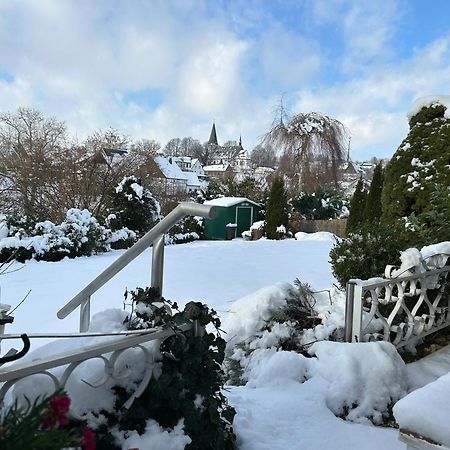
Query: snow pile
x=364, y=378
x=319, y=236
x=154, y=437
x=426, y=411
x=433, y=256
x=429, y=100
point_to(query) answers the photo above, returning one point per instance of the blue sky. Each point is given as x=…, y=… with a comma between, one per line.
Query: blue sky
x=163, y=69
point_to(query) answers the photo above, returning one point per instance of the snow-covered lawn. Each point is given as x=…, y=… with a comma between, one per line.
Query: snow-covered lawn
x=276, y=411
x=214, y=272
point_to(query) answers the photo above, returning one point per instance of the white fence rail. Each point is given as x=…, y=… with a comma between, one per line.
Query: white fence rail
x=108, y=351
x=401, y=308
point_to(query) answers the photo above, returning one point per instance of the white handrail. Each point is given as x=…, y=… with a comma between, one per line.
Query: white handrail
x=82, y=299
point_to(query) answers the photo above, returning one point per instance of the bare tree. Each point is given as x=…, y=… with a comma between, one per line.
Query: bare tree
x=263, y=156
x=305, y=137
x=30, y=145
x=173, y=147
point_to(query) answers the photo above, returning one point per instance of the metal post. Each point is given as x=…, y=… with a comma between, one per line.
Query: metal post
x=350, y=292
x=85, y=315
x=158, y=263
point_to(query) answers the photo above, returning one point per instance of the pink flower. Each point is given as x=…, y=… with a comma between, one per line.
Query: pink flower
x=57, y=410
x=88, y=441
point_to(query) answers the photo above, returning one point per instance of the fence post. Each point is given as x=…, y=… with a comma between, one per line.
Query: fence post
x=349, y=295
x=158, y=263
x=85, y=315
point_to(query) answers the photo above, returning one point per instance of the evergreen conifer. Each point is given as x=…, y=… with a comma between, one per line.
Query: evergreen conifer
x=372, y=210
x=419, y=165
x=357, y=206
x=276, y=208
x=133, y=207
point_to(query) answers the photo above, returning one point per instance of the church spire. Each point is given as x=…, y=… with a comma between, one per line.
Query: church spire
x=213, y=135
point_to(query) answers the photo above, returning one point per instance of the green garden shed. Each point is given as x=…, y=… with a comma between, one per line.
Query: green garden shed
x=236, y=214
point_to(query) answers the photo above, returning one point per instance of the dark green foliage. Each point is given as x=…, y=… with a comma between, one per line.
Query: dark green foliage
x=190, y=383
x=357, y=206
x=419, y=164
x=322, y=204
x=372, y=210
x=276, y=209
x=187, y=230
x=216, y=188
x=366, y=253
x=433, y=225
x=133, y=206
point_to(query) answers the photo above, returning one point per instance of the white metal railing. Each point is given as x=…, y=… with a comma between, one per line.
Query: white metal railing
x=108, y=351
x=154, y=237
x=401, y=308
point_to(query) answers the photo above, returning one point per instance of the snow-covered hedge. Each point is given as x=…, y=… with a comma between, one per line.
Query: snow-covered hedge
x=80, y=234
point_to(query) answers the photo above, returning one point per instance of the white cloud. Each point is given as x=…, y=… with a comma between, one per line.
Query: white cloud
x=373, y=106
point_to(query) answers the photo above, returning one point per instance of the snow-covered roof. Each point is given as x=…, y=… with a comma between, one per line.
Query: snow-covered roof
x=429, y=100
x=216, y=168
x=169, y=169
x=192, y=179
x=228, y=201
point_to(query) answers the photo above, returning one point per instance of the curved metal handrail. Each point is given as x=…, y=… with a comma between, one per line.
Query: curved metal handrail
x=156, y=237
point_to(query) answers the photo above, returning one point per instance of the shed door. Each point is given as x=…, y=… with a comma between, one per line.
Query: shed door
x=244, y=219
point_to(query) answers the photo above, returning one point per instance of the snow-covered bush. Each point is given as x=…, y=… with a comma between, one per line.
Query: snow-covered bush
x=185, y=398
x=79, y=234
x=282, y=334
x=133, y=207
x=187, y=230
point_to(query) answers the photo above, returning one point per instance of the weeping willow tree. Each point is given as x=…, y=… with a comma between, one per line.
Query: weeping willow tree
x=312, y=145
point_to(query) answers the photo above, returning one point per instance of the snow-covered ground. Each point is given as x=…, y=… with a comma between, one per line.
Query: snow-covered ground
x=275, y=411
x=214, y=272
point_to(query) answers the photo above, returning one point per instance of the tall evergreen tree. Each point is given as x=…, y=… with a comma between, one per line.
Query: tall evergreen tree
x=357, y=206
x=419, y=164
x=372, y=210
x=276, y=208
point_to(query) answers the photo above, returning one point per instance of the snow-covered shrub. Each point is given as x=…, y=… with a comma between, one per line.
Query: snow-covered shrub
x=186, y=394
x=79, y=234
x=133, y=207
x=366, y=253
x=255, y=232
x=84, y=232
x=122, y=238
x=281, y=335
x=321, y=204
x=187, y=230
x=270, y=320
